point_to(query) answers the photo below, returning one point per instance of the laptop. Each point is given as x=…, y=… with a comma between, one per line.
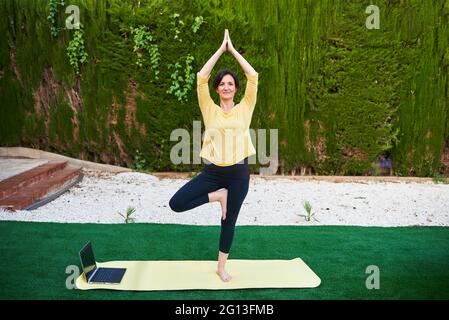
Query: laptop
x=98, y=275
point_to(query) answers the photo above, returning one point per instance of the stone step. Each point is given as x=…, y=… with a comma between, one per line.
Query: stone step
x=42, y=189
x=15, y=183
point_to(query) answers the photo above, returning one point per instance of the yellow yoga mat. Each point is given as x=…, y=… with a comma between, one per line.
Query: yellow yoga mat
x=201, y=275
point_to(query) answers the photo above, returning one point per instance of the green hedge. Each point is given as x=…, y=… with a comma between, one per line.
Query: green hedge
x=341, y=95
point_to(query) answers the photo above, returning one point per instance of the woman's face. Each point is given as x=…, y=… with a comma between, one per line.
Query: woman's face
x=226, y=88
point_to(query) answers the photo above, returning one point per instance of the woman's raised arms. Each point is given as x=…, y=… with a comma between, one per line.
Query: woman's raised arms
x=247, y=68
x=207, y=68
x=226, y=46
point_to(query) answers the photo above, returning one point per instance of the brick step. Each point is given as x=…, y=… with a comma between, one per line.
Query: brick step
x=15, y=183
x=41, y=189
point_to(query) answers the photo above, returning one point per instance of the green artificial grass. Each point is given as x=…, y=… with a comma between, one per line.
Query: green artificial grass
x=413, y=261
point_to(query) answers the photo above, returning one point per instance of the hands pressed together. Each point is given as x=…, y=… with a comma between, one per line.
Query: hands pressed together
x=227, y=43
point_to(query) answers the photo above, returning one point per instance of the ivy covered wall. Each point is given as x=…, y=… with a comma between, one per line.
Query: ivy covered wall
x=341, y=95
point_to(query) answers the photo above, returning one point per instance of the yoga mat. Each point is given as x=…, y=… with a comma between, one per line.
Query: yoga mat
x=201, y=275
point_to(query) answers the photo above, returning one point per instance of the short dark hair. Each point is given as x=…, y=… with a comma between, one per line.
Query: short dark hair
x=220, y=76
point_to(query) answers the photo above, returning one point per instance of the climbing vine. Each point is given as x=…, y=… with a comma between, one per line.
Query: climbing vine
x=180, y=86
x=189, y=78
x=175, y=79
x=76, y=51
x=176, y=23
x=52, y=16
x=142, y=41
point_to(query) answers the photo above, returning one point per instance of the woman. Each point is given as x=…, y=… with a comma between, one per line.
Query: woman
x=226, y=148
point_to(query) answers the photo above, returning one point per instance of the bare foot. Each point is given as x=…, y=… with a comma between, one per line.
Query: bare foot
x=224, y=276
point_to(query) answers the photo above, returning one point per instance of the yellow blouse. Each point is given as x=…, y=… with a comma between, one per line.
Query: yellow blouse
x=227, y=140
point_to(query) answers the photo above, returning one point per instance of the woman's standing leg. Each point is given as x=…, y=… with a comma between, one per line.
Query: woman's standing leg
x=237, y=191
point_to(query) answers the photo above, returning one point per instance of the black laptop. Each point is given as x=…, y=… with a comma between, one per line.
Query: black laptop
x=98, y=275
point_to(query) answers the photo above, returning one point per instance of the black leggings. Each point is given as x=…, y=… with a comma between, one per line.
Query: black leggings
x=194, y=193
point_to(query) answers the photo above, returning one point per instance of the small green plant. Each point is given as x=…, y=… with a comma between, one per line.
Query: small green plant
x=129, y=212
x=309, y=215
x=139, y=161
x=142, y=41
x=399, y=173
x=375, y=170
x=197, y=23
x=76, y=51
x=439, y=178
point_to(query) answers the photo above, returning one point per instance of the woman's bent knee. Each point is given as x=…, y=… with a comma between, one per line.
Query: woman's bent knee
x=175, y=204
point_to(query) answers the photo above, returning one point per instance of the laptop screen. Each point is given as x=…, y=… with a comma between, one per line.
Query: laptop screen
x=88, y=260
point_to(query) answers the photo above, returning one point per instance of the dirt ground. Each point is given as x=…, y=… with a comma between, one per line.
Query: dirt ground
x=336, y=179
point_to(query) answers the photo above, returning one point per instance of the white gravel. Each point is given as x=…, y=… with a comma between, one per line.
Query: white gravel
x=100, y=196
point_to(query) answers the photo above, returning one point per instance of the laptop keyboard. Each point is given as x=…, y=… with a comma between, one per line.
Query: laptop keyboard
x=105, y=275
